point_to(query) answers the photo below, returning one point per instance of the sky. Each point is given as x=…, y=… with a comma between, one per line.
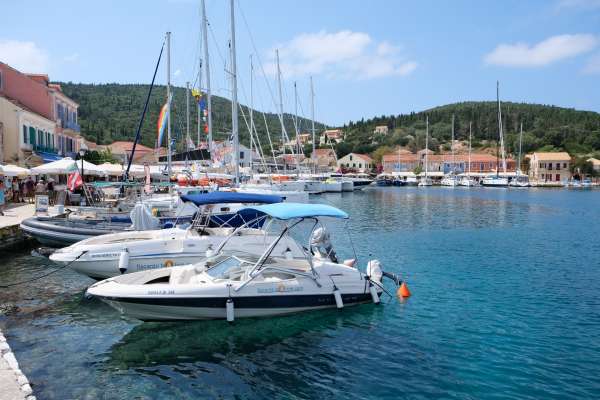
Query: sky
x=366, y=58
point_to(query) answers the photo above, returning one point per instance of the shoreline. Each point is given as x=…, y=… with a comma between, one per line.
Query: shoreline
x=14, y=383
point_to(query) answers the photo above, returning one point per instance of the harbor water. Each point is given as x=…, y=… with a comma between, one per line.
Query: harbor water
x=505, y=305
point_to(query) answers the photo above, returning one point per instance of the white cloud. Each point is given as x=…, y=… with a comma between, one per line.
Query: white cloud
x=24, y=56
x=71, y=58
x=546, y=52
x=177, y=72
x=343, y=54
x=579, y=4
x=592, y=67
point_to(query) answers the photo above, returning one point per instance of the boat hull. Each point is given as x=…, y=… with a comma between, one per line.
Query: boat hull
x=198, y=308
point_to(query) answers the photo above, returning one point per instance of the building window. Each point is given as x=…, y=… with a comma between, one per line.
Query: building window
x=25, y=134
x=557, y=177
x=350, y=157
x=565, y=165
x=558, y=166
x=549, y=166
x=241, y=155
x=0, y=80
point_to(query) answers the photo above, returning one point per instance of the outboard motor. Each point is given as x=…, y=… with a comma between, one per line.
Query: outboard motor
x=320, y=244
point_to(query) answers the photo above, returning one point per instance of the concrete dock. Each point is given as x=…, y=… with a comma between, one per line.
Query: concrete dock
x=10, y=234
x=14, y=385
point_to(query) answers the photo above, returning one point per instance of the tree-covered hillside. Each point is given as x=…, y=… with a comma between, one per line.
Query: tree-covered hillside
x=110, y=112
x=544, y=127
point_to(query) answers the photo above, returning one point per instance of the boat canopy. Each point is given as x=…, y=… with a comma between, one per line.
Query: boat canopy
x=298, y=210
x=200, y=199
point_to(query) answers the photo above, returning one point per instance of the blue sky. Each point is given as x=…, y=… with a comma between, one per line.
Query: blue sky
x=367, y=58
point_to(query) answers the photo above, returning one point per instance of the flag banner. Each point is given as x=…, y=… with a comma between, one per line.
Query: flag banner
x=161, y=125
x=196, y=93
x=206, y=129
x=74, y=181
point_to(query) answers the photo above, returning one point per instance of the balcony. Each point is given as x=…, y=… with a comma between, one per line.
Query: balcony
x=72, y=126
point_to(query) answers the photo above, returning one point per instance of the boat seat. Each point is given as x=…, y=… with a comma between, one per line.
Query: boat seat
x=182, y=275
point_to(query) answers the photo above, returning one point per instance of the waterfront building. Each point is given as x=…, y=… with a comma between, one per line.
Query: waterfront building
x=331, y=135
x=324, y=159
x=38, y=122
x=549, y=167
x=481, y=163
x=357, y=162
x=381, y=130
x=595, y=164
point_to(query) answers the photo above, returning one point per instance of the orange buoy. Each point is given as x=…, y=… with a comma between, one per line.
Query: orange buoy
x=403, y=290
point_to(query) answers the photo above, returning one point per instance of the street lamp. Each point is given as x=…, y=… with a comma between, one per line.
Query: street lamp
x=82, y=151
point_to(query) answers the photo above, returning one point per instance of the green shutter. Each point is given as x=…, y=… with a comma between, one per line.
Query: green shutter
x=32, y=135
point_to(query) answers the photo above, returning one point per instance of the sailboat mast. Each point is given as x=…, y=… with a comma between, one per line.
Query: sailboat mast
x=296, y=114
x=207, y=69
x=452, y=147
x=169, y=104
x=312, y=116
x=234, y=100
x=187, y=115
x=426, y=146
x=251, y=111
x=501, y=134
x=283, y=133
x=469, y=173
x=520, y=148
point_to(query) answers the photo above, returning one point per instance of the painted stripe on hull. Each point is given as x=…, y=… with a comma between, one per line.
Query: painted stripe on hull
x=281, y=301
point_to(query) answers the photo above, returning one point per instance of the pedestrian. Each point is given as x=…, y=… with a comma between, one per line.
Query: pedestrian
x=16, y=189
x=2, y=200
x=29, y=188
x=50, y=189
x=40, y=188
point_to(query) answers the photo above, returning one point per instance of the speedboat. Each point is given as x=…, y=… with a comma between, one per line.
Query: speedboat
x=384, y=180
x=236, y=284
x=108, y=255
x=347, y=183
x=495, y=181
x=468, y=181
x=425, y=181
x=332, y=186
x=519, y=181
x=450, y=180
x=360, y=180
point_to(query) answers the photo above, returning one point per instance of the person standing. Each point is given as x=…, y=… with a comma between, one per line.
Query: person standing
x=50, y=189
x=2, y=200
x=29, y=188
x=16, y=188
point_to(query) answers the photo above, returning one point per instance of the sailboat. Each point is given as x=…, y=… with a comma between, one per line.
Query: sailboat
x=451, y=179
x=497, y=180
x=426, y=180
x=520, y=180
x=468, y=180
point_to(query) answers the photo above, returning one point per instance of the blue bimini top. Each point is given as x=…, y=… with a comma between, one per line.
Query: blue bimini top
x=287, y=211
x=200, y=199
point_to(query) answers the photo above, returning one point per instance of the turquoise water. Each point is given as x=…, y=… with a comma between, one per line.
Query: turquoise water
x=506, y=304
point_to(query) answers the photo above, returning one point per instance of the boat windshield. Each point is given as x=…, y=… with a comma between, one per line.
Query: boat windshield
x=231, y=266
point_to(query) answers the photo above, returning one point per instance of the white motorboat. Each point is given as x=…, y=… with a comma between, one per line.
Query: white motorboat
x=495, y=181
x=312, y=186
x=450, y=180
x=468, y=181
x=108, y=255
x=236, y=284
x=519, y=181
x=332, y=186
x=425, y=181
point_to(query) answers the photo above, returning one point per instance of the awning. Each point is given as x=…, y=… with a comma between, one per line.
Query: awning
x=287, y=211
x=230, y=197
x=48, y=157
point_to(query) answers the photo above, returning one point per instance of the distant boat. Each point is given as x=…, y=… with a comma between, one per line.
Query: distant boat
x=520, y=181
x=467, y=180
x=497, y=180
x=426, y=180
x=451, y=179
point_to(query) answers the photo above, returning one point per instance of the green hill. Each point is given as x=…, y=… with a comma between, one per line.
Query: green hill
x=111, y=112
x=544, y=127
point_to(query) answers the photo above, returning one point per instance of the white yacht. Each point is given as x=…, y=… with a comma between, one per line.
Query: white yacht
x=236, y=284
x=112, y=254
x=495, y=181
x=450, y=180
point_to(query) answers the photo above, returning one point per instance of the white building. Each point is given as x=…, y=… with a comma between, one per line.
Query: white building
x=355, y=161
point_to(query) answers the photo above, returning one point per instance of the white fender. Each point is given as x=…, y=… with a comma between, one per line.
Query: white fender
x=338, y=298
x=374, y=294
x=229, y=310
x=124, y=261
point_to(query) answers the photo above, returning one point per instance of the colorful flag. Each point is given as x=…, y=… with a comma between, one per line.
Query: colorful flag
x=162, y=122
x=74, y=181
